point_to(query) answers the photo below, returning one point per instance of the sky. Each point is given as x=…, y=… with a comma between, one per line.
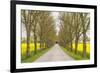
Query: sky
x=23, y=31
x=57, y=22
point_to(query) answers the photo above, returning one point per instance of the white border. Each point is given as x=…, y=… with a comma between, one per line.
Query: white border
x=20, y=65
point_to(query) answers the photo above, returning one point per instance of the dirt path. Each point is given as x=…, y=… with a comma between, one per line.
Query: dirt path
x=54, y=54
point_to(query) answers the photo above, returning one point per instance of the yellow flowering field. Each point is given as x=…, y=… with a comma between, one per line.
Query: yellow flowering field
x=80, y=47
x=24, y=46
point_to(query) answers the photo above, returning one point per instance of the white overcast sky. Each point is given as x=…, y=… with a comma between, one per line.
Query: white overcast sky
x=56, y=19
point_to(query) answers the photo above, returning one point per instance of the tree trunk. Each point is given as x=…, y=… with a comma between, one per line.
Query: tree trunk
x=46, y=44
x=35, y=43
x=41, y=43
x=28, y=44
x=76, y=45
x=71, y=46
x=84, y=44
x=64, y=44
x=70, y=43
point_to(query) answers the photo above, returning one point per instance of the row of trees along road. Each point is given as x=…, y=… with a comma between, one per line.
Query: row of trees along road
x=40, y=24
x=74, y=26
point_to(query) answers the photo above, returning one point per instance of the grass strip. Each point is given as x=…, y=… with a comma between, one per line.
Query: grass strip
x=73, y=55
x=33, y=57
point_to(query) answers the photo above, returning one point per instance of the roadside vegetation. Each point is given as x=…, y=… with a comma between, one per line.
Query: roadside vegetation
x=39, y=31
x=74, y=34
x=79, y=54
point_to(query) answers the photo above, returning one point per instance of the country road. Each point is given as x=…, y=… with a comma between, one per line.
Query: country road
x=54, y=54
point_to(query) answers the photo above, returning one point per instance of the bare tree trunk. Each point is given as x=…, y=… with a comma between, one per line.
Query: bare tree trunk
x=35, y=43
x=76, y=45
x=45, y=44
x=71, y=43
x=41, y=42
x=28, y=44
x=71, y=46
x=84, y=44
x=64, y=44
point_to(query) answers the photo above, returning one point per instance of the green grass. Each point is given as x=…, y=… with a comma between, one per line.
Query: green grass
x=75, y=56
x=33, y=56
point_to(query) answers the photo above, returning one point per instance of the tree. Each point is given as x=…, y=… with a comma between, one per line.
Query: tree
x=85, y=25
x=43, y=22
x=34, y=18
x=66, y=30
x=50, y=32
x=26, y=20
x=77, y=29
